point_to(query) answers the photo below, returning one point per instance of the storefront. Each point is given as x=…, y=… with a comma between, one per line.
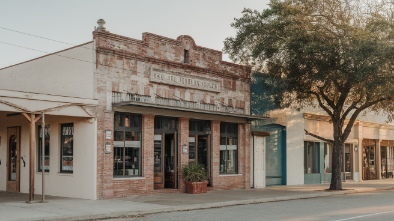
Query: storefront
x=128, y=124
x=168, y=102
x=68, y=140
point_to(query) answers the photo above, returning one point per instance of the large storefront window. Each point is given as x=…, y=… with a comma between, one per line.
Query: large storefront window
x=347, y=159
x=67, y=148
x=311, y=157
x=127, y=145
x=46, y=146
x=228, y=148
x=387, y=155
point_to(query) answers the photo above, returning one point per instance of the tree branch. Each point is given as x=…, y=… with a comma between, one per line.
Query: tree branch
x=353, y=118
x=321, y=104
x=329, y=102
x=318, y=137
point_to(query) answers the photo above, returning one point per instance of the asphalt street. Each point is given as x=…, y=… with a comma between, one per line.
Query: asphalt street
x=357, y=207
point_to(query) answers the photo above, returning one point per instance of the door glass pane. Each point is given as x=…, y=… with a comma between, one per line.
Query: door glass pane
x=202, y=151
x=157, y=153
x=13, y=155
x=192, y=149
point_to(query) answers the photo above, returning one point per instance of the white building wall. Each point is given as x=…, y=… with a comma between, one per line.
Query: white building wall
x=66, y=73
x=294, y=122
x=81, y=183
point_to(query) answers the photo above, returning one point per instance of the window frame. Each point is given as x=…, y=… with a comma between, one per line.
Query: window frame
x=313, y=151
x=228, y=131
x=39, y=148
x=62, y=140
x=134, y=126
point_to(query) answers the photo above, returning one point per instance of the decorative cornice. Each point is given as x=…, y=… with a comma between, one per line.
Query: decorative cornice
x=326, y=118
x=176, y=42
x=128, y=55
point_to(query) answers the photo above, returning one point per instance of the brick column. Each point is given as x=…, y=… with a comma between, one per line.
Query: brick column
x=243, y=153
x=215, y=152
x=105, y=161
x=183, y=138
x=247, y=156
x=148, y=150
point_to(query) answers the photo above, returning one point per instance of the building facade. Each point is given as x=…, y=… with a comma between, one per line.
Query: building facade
x=123, y=116
x=367, y=153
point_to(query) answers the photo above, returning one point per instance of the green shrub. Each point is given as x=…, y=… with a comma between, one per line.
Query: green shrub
x=194, y=173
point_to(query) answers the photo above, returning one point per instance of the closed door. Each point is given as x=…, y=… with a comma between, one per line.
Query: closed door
x=13, y=159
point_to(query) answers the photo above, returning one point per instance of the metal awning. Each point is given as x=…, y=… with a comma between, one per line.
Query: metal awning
x=158, y=109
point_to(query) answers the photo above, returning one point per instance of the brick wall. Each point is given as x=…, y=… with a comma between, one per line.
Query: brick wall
x=124, y=65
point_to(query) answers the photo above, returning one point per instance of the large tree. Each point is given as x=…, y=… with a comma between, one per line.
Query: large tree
x=334, y=54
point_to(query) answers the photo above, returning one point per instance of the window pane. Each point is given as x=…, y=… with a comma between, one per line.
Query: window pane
x=117, y=120
x=127, y=145
x=192, y=149
x=228, y=148
x=118, y=161
x=327, y=158
x=47, y=149
x=67, y=151
x=311, y=157
x=157, y=153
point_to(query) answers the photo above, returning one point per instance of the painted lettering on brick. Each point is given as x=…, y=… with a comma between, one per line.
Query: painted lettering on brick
x=183, y=80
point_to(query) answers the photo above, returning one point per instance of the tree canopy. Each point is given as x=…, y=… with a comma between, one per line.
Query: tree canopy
x=335, y=54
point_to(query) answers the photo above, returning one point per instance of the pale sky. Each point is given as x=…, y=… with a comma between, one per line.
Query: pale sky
x=72, y=21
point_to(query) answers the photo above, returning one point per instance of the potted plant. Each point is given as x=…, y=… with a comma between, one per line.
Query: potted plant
x=195, y=177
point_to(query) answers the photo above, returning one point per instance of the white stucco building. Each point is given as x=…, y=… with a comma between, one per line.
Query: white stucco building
x=368, y=152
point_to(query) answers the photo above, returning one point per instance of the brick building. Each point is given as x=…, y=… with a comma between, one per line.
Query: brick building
x=135, y=112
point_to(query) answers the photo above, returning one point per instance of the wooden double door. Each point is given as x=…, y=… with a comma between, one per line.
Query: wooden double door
x=13, y=159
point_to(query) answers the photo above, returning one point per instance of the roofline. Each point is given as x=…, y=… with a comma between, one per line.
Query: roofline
x=46, y=55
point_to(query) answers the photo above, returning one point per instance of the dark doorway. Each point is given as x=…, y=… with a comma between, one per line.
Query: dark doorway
x=165, y=153
x=369, y=169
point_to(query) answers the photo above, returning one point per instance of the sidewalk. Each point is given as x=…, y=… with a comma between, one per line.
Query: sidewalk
x=14, y=207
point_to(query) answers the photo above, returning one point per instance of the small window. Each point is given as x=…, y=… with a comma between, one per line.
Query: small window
x=46, y=147
x=67, y=148
x=186, y=58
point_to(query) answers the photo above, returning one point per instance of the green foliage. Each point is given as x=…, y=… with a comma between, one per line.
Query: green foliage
x=261, y=93
x=338, y=55
x=334, y=54
x=194, y=173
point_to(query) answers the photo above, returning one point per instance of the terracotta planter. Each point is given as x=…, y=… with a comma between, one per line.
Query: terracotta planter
x=196, y=187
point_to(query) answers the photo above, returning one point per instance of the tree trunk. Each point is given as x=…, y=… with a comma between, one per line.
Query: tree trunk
x=337, y=152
